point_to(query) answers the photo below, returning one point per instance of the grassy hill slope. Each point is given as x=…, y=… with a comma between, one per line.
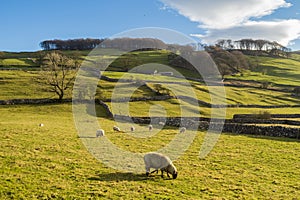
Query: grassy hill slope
x=277, y=71
x=51, y=161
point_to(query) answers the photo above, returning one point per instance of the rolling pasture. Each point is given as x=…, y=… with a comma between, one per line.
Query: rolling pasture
x=51, y=162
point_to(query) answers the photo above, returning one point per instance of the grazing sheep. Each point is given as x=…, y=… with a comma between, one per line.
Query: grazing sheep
x=182, y=130
x=132, y=128
x=115, y=128
x=159, y=162
x=41, y=125
x=150, y=127
x=162, y=123
x=100, y=132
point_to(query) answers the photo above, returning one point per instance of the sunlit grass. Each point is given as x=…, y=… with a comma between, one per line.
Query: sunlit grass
x=51, y=162
x=21, y=85
x=274, y=70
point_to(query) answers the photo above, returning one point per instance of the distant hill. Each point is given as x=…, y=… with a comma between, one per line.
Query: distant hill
x=296, y=52
x=231, y=64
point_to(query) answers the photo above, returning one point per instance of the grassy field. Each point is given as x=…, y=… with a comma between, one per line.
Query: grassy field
x=280, y=71
x=17, y=62
x=17, y=84
x=51, y=162
x=21, y=84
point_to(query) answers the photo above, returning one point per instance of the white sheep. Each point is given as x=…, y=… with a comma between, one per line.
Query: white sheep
x=100, y=132
x=159, y=162
x=41, y=125
x=115, y=128
x=162, y=123
x=150, y=127
x=182, y=130
x=132, y=128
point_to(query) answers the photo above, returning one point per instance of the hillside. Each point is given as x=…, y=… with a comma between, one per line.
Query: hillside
x=266, y=73
x=268, y=86
x=276, y=71
x=51, y=161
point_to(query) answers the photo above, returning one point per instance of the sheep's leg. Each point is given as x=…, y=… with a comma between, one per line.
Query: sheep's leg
x=168, y=174
x=162, y=173
x=147, y=171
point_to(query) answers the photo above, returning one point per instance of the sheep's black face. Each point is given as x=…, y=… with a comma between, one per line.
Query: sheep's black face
x=174, y=175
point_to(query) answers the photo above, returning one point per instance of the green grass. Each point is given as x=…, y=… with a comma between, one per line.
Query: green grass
x=150, y=61
x=142, y=57
x=245, y=95
x=106, y=89
x=17, y=55
x=51, y=162
x=295, y=56
x=172, y=109
x=231, y=111
x=17, y=62
x=258, y=96
x=233, y=95
x=144, y=77
x=278, y=71
x=21, y=85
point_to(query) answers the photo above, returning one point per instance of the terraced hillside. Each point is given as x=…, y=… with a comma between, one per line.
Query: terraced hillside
x=50, y=161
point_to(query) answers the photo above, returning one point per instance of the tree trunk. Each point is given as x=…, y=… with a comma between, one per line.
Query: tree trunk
x=61, y=96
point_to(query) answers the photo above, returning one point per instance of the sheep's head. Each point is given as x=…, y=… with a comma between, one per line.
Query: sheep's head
x=174, y=175
x=172, y=170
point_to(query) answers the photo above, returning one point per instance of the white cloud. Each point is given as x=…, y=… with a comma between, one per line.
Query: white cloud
x=282, y=31
x=238, y=19
x=220, y=14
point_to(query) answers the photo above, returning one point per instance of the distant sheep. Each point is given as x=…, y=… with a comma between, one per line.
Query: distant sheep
x=159, y=162
x=162, y=123
x=150, y=127
x=132, y=128
x=115, y=128
x=182, y=130
x=41, y=125
x=100, y=132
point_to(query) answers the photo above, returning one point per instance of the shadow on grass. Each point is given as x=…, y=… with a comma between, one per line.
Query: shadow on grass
x=119, y=176
x=280, y=139
x=264, y=137
x=125, y=176
x=86, y=137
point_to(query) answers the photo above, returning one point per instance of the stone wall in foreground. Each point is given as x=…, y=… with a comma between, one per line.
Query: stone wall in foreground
x=229, y=127
x=240, y=124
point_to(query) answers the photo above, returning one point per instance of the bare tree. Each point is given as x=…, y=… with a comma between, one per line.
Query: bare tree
x=57, y=73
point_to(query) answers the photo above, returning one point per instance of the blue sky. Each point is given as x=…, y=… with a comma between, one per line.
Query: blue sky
x=26, y=23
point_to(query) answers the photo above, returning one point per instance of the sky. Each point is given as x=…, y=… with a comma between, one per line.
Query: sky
x=26, y=23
